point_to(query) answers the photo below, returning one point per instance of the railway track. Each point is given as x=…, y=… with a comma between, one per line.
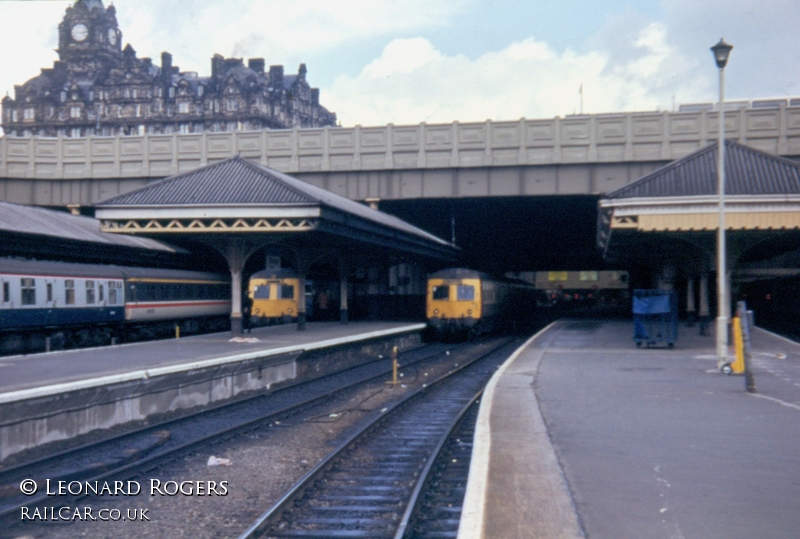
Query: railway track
x=128, y=454
x=369, y=485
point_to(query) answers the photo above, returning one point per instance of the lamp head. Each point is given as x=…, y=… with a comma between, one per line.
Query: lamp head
x=721, y=52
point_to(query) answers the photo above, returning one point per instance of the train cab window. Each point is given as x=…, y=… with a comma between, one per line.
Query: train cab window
x=441, y=292
x=287, y=291
x=28, y=286
x=261, y=291
x=49, y=292
x=6, y=292
x=90, y=293
x=465, y=292
x=69, y=292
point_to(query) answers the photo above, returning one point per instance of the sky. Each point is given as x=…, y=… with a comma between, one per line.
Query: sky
x=439, y=61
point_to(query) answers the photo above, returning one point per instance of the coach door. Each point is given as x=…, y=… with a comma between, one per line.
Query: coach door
x=49, y=293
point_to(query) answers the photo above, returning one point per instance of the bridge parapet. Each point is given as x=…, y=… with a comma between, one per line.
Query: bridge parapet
x=574, y=140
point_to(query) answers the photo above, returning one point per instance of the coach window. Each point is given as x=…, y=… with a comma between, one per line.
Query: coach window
x=441, y=292
x=49, y=287
x=112, y=292
x=100, y=294
x=28, y=286
x=89, y=292
x=287, y=291
x=6, y=292
x=466, y=292
x=69, y=292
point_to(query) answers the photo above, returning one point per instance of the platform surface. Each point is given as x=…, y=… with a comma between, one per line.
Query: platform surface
x=48, y=369
x=584, y=435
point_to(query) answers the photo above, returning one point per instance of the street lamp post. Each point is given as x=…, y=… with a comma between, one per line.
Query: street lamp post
x=721, y=52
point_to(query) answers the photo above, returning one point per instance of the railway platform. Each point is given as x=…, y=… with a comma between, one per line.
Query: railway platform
x=62, y=395
x=582, y=434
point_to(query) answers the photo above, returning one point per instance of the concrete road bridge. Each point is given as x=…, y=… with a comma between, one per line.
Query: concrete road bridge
x=576, y=155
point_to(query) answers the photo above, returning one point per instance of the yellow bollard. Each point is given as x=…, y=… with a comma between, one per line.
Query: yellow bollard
x=177, y=331
x=738, y=342
x=394, y=367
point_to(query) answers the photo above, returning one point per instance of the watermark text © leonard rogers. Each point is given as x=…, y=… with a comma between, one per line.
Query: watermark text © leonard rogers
x=29, y=487
x=152, y=487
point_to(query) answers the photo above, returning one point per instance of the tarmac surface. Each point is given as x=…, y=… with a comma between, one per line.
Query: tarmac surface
x=585, y=435
x=38, y=370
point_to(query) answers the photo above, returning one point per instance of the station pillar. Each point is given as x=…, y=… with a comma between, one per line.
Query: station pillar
x=343, y=267
x=704, y=312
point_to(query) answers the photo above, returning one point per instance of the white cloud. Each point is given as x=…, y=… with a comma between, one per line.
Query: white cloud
x=281, y=31
x=411, y=81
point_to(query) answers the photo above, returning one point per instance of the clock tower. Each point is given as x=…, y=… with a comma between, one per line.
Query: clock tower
x=87, y=36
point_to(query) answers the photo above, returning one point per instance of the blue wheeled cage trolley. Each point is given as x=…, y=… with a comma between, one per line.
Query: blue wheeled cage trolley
x=655, y=317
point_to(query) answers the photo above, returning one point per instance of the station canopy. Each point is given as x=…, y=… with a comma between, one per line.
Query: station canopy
x=237, y=197
x=29, y=231
x=677, y=206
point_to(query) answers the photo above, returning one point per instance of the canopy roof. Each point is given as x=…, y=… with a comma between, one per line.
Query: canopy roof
x=748, y=172
x=239, y=196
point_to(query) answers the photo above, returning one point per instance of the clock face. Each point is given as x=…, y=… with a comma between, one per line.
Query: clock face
x=79, y=32
x=112, y=36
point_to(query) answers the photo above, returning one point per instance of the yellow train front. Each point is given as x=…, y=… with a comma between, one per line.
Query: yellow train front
x=464, y=302
x=275, y=296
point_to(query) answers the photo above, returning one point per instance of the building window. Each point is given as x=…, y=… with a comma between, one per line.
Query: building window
x=74, y=112
x=63, y=96
x=185, y=129
x=134, y=93
x=75, y=132
x=69, y=292
x=28, y=114
x=232, y=104
x=127, y=93
x=200, y=90
x=183, y=108
x=172, y=92
x=170, y=110
x=89, y=292
x=28, y=287
x=91, y=95
x=14, y=116
x=138, y=111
